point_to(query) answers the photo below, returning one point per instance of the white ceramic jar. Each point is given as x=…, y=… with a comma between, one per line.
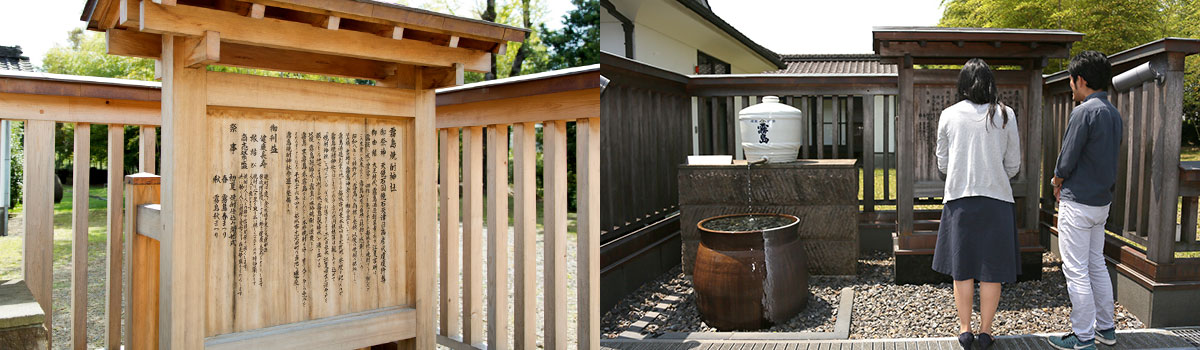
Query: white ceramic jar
x=770, y=130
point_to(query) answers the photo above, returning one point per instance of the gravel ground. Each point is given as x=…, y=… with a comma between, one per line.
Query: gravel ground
x=572, y=311
x=882, y=309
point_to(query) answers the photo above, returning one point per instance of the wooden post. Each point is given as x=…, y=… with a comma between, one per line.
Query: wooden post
x=868, y=153
x=497, y=228
x=146, y=146
x=588, y=194
x=905, y=148
x=116, y=253
x=79, y=241
x=426, y=175
x=184, y=208
x=1165, y=176
x=554, y=186
x=525, y=229
x=448, y=194
x=472, y=235
x=1031, y=164
x=837, y=127
x=142, y=315
x=39, y=214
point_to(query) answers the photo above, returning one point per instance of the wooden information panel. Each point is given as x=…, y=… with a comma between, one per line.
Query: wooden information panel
x=931, y=100
x=308, y=217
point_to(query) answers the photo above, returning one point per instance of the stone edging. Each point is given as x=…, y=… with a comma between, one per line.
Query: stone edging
x=841, y=329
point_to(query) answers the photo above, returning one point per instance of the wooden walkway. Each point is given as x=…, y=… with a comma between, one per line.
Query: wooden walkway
x=1135, y=339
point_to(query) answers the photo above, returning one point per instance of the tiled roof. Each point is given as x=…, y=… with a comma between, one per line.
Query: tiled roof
x=834, y=64
x=11, y=59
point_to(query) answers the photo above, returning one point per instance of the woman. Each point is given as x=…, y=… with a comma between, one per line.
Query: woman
x=978, y=149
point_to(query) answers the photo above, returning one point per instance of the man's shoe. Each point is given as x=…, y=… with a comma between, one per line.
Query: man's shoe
x=1071, y=342
x=966, y=339
x=1107, y=336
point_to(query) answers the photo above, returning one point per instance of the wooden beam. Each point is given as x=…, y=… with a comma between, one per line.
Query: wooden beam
x=331, y=22
x=257, y=11
x=453, y=41
x=571, y=104
x=280, y=34
x=129, y=13
x=249, y=91
x=207, y=50
x=972, y=49
x=391, y=15
x=38, y=269
x=133, y=43
x=349, y=331
x=436, y=78
x=398, y=32
x=78, y=109
x=149, y=222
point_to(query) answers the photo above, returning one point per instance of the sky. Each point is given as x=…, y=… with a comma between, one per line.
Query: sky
x=38, y=25
x=822, y=26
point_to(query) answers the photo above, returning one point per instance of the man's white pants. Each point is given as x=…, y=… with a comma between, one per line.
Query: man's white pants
x=1081, y=245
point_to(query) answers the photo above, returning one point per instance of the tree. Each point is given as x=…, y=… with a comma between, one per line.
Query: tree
x=524, y=49
x=577, y=43
x=1110, y=26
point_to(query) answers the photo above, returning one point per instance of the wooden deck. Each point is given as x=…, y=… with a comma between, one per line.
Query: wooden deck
x=1186, y=338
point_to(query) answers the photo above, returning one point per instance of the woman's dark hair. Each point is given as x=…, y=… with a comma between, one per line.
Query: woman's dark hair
x=1093, y=67
x=977, y=83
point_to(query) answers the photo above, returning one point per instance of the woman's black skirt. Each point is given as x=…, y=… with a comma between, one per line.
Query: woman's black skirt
x=977, y=239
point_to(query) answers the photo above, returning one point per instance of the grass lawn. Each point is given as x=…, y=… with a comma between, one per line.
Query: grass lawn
x=11, y=251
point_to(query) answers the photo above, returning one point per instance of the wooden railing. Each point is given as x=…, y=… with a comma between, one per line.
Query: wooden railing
x=1150, y=182
x=647, y=134
x=471, y=114
x=41, y=101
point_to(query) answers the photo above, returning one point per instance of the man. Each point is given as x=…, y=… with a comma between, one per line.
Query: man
x=1083, y=182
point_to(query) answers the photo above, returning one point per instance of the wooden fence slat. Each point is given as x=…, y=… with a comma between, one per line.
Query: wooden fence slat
x=837, y=124
x=588, y=232
x=497, y=232
x=450, y=249
x=868, y=152
x=1187, y=222
x=473, y=235
x=146, y=146
x=554, y=186
x=39, y=214
x=1031, y=164
x=806, y=118
x=79, y=241
x=818, y=103
x=850, y=130
x=888, y=103
x=525, y=229
x=116, y=254
x=1147, y=157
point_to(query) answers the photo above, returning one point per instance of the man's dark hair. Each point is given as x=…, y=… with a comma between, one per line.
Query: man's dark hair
x=1093, y=67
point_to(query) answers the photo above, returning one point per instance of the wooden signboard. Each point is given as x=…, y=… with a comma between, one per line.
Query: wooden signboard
x=932, y=100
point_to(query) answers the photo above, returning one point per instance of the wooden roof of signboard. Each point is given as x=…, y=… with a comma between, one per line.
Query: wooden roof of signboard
x=352, y=38
x=946, y=45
